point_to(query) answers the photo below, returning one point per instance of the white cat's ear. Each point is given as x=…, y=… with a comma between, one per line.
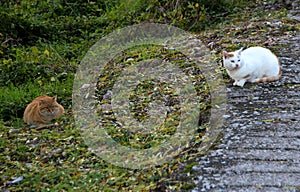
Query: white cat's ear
x=240, y=50
x=225, y=54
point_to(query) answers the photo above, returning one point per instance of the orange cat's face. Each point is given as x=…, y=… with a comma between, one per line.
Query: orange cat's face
x=49, y=107
x=42, y=110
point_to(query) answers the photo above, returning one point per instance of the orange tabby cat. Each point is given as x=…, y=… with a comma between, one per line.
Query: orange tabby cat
x=42, y=110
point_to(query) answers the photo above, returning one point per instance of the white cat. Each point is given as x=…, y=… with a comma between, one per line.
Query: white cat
x=255, y=64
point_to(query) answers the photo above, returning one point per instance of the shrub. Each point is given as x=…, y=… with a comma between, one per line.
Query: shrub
x=32, y=64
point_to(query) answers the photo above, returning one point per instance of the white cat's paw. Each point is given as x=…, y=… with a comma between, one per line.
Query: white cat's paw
x=240, y=83
x=255, y=80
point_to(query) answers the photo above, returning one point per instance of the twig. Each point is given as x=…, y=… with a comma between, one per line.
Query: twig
x=7, y=40
x=58, y=55
x=41, y=127
x=177, y=5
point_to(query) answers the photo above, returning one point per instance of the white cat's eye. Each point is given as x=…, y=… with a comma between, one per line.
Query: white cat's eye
x=232, y=61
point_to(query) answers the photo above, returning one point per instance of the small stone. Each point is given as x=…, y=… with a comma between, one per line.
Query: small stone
x=85, y=86
x=256, y=113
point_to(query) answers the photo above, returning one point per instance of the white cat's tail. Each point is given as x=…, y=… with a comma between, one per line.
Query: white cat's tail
x=269, y=79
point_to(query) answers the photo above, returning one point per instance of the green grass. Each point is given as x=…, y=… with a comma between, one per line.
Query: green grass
x=42, y=43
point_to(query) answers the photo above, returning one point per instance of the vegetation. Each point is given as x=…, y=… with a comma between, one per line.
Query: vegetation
x=42, y=43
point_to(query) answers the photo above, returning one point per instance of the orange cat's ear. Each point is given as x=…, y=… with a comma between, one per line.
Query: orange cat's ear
x=41, y=102
x=54, y=98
